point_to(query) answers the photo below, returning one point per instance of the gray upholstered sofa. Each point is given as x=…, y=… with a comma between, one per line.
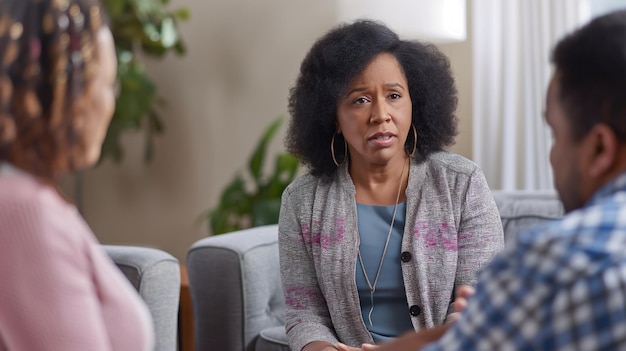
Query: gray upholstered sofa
x=156, y=276
x=235, y=280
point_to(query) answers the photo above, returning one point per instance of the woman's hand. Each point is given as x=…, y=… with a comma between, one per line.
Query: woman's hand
x=344, y=347
x=415, y=341
x=410, y=341
x=320, y=346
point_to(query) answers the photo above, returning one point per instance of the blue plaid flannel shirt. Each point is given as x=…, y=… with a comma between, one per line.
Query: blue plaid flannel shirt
x=556, y=287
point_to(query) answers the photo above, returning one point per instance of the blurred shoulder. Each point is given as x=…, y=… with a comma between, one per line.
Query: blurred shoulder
x=20, y=191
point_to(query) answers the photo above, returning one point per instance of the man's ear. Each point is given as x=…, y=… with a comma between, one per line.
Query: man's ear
x=602, y=144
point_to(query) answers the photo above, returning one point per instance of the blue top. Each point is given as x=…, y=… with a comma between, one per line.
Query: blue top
x=390, y=316
x=560, y=286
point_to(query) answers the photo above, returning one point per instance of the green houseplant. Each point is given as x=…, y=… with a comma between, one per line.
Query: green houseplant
x=138, y=26
x=147, y=27
x=243, y=206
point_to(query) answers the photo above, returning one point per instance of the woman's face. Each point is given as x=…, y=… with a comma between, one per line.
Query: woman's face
x=100, y=96
x=375, y=114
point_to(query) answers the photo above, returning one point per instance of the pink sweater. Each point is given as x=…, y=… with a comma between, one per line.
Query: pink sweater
x=58, y=289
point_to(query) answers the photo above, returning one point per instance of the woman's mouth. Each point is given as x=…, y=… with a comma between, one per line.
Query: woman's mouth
x=382, y=140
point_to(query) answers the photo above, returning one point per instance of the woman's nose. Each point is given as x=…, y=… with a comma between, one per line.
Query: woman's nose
x=379, y=113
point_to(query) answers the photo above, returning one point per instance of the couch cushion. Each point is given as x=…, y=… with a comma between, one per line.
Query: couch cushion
x=520, y=210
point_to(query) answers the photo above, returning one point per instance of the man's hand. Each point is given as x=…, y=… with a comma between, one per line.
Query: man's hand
x=463, y=293
x=412, y=341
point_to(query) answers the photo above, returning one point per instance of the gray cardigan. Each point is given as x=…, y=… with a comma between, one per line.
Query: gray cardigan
x=452, y=229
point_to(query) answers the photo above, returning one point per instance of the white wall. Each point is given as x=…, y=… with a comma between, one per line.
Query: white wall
x=243, y=56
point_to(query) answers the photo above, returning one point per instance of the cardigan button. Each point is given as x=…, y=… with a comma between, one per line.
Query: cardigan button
x=405, y=256
x=415, y=310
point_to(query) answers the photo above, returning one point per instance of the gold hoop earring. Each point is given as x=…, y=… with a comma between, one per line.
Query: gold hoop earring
x=332, y=151
x=414, y=141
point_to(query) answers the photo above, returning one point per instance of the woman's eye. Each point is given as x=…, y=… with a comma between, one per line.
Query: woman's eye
x=394, y=96
x=360, y=101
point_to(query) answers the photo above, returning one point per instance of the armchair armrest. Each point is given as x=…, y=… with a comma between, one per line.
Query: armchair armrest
x=235, y=288
x=156, y=276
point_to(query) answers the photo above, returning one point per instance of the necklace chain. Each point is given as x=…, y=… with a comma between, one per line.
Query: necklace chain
x=382, y=258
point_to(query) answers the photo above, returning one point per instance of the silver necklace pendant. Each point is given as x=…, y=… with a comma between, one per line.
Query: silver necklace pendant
x=382, y=258
x=369, y=315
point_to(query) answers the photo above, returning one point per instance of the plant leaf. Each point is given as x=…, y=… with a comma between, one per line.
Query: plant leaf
x=182, y=14
x=180, y=48
x=113, y=7
x=239, y=208
x=155, y=127
x=286, y=168
x=234, y=196
x=149, y=26
x=169, y=35
x=255, y=163
x=265, y=212
x=220, y=222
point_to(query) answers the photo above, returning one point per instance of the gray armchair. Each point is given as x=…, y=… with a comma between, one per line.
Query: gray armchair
x=236, y=291
x=235, y=283
x=156, y=276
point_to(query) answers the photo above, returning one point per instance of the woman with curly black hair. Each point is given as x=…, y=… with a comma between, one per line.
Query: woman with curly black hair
x=386, y=225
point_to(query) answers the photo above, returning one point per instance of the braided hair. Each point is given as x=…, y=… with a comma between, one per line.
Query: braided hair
x=48, y=54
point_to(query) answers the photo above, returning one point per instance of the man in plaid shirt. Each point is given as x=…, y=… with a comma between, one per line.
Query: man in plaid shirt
x=562, y=286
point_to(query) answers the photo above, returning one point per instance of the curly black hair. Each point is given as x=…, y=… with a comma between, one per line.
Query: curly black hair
x=336, y=59
x=591, y=72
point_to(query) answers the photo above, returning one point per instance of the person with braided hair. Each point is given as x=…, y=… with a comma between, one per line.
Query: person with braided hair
x=60, y=290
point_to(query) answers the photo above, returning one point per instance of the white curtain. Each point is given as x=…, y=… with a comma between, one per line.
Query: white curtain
x=512, y=42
